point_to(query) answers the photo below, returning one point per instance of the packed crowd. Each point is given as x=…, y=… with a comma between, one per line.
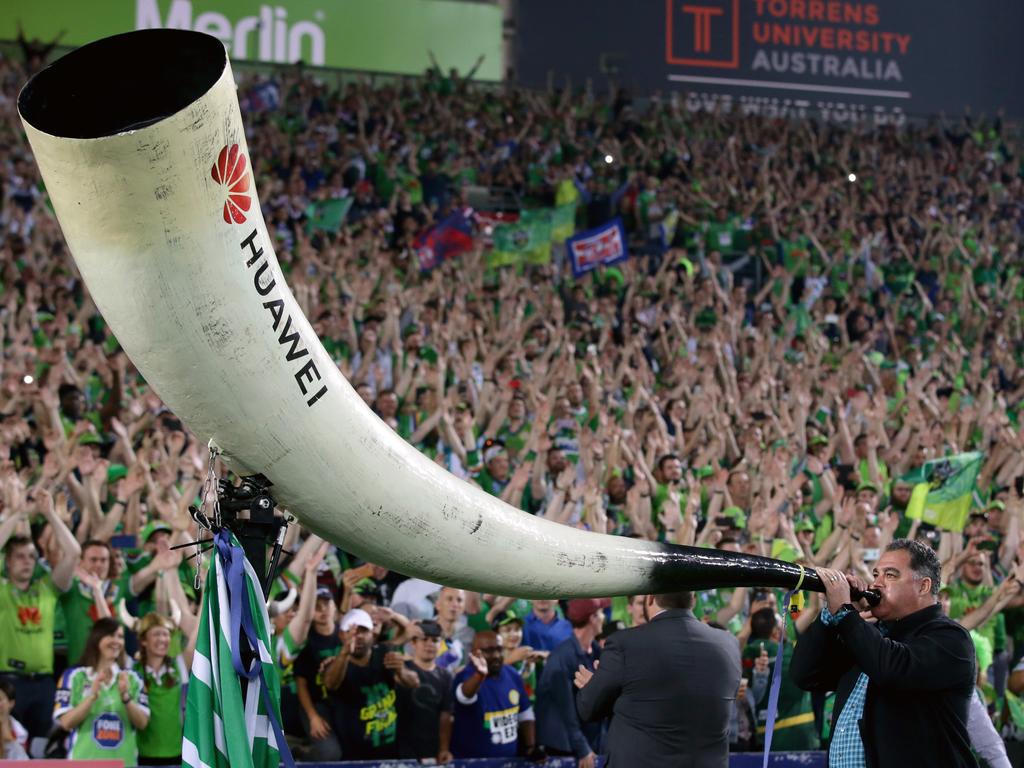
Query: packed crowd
x=673, y=397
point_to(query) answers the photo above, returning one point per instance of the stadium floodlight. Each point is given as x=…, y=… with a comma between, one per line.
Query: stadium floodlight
x=852, y=178
x=609, y=159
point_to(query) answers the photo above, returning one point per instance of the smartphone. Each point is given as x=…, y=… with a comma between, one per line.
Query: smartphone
x=872, y=555
x=1018, y=484
x=845, y=476
x=365, y=571
x=988, y=544
x=724, y=521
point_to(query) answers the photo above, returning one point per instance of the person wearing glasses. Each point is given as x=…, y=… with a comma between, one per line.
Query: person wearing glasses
x=425, y=711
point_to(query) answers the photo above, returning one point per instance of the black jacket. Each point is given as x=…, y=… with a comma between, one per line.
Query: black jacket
x=669, y=685
x=920, y=681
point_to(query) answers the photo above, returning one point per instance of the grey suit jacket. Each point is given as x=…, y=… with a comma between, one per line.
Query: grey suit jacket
x=669, y=686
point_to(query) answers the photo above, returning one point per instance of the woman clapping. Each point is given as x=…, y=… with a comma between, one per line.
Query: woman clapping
x=101, y=703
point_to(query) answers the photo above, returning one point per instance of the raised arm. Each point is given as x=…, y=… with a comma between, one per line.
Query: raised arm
x=71, y=550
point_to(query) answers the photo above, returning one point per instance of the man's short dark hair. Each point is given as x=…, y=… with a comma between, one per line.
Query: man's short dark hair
x=923, y=560
x=14, y=542
x=671, y=600
x=666, y=457
x=762, y=624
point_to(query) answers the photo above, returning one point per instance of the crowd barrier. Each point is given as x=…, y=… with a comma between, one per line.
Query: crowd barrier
x=738, y=760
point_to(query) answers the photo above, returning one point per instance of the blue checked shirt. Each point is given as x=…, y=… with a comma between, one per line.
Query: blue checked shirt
x=847, y=747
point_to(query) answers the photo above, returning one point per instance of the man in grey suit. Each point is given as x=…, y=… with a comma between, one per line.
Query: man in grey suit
x=669, y=686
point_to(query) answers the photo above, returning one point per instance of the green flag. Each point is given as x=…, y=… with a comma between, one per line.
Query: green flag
x=327, y=215
x=539, y=221
x=223, y=729
x=944, y=498
x=563, y=223
x=516, y=241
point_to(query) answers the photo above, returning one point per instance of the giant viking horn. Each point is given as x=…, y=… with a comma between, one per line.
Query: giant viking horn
x=141, y=144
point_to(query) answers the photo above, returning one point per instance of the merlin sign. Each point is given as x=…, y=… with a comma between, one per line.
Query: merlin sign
x=836, y=59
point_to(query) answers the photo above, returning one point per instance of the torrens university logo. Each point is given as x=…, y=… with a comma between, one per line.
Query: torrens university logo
x=230, y=170
x=703, y=33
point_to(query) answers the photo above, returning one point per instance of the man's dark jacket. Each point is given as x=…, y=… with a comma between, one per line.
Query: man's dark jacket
x=920, y=681
x=669, y=686
x=558, y=725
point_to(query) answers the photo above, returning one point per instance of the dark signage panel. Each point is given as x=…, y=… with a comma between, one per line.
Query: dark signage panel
x=843, y=61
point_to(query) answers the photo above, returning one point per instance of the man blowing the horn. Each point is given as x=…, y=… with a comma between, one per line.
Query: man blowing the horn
x=903, y=685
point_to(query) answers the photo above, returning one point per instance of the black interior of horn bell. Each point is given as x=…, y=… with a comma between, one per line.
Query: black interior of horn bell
x=122, y=83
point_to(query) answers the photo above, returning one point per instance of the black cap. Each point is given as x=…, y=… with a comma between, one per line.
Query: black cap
x=430, y=628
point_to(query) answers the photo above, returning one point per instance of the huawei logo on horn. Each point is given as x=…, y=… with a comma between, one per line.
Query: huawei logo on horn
x=230, y=170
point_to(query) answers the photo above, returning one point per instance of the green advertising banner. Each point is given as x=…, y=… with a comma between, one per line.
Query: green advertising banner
x=374, y=35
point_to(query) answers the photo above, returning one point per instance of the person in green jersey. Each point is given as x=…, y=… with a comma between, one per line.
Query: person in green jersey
x=164, y=678
x=155, y=558
x=28, y=606
x=969, y=591
x=102, y=704
x=95, y=590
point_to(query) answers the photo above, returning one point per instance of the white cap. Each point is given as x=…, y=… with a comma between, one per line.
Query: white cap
x=357, y=617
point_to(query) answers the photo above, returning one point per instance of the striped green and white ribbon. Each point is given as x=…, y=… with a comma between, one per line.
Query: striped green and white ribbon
x=232, y=713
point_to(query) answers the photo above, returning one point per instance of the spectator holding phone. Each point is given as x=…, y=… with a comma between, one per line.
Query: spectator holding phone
x=425, y=711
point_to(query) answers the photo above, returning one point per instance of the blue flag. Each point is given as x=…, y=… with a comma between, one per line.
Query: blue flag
x=602, y=245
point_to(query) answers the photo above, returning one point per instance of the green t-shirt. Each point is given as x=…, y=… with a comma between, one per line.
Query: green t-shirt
x=963, y=598
x=864, y=472
x=106, y=733
x=80, y=611
x=162, y=735
x=26, y=626
x=708, y=602
x=722, y=235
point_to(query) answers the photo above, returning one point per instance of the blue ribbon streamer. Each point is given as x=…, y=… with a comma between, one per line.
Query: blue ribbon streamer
x=232, y=560
x=773, y=695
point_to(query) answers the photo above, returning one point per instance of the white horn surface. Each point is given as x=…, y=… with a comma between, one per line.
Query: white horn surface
x=134, y=136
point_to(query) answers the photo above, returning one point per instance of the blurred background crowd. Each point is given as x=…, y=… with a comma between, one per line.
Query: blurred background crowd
x=813, y=323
